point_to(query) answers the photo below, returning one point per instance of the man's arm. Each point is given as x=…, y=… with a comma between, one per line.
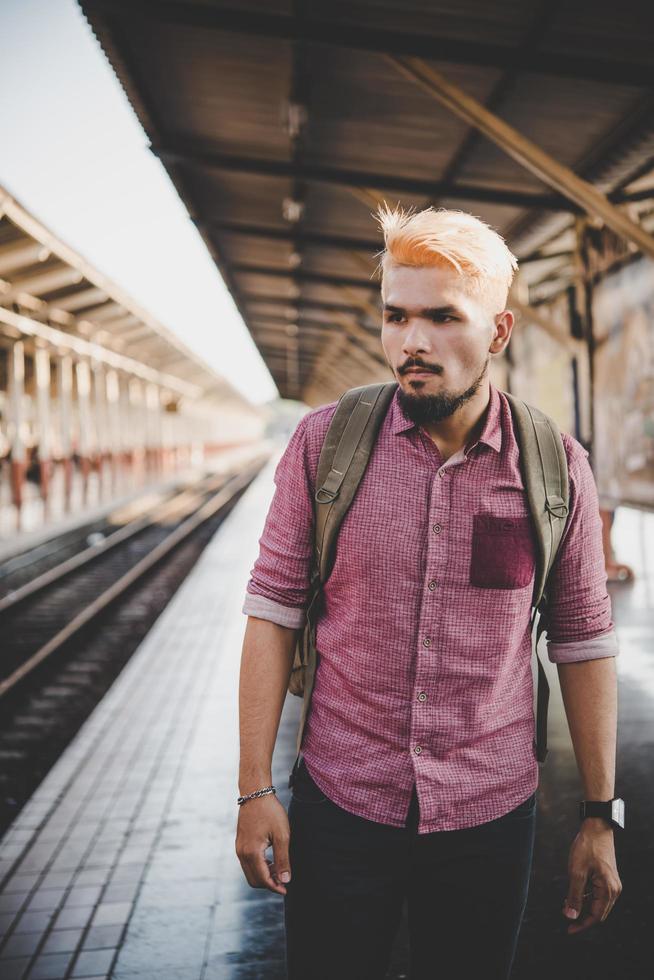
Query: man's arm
x=583, y=644
x=276, y=599
x=266, y=662
x=589, y=690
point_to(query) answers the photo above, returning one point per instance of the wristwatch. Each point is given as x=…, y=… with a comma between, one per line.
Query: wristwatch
x=612, y=811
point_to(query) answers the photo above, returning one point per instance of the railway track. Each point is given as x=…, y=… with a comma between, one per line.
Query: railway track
x=66, y=634
x=28, y=564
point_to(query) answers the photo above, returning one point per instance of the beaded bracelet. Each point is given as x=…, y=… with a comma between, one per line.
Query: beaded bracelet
x=258, y=792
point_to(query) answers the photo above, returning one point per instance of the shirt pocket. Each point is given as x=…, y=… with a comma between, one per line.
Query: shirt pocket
x=503, y=552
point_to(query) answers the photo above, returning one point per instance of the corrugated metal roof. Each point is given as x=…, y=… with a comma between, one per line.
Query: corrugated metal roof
x=255, y=106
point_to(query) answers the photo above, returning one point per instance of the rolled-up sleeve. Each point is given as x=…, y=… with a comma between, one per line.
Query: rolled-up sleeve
x=579, y=624
x=279, y=584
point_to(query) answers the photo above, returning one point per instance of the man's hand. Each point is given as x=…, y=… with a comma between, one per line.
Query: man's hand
x=593, y=876
x=263, y=821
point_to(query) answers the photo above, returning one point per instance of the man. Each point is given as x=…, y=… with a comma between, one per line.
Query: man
x=418, y=771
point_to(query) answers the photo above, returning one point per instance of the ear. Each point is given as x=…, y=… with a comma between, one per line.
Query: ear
x=504, y=322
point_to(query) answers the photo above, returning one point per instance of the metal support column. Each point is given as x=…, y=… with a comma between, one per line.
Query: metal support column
x=101, y=455
x=42, y=373
x=16, y=393
x=584, y=266
x=65, y=396
x=126, y=435
x=113, y=428
x=152, y=436
x=137, y=428
x=86, y=435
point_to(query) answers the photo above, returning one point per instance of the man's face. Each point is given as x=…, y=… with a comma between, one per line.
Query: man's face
x=431, y=323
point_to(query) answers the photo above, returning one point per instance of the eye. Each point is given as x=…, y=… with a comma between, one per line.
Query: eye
x=442, y=317
x=394, y=317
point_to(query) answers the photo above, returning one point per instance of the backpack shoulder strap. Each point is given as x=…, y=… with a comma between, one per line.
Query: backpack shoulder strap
x=344, y=456
x=545, y=473
x=544, y=467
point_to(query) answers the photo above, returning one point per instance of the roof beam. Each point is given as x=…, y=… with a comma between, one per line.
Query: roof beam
x=341, y=380
x=181, y=151
x=81, y=299
x=19, y=254
x=360, y=339
x=106, y=314
x=551, y=328
x=316, y=382
x=291, y=328
x=301, y=303
x=309, y=345
x=276, y=354
x=540, y=256
x=345, y=372
x=559, y=177
x=305, y=327
x=47, y=281
x=364, y=37
x=544, y=13
x=113, y=302
x=59, y=340
x=307, y=238
x=115, y=327
x=139, y=332
x=299, y=275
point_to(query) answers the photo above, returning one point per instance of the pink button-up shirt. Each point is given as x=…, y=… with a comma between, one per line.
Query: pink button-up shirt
x=424, y=672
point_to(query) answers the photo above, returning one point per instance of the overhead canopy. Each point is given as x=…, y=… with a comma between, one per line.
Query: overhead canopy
x=282, y=123
x=50, y=292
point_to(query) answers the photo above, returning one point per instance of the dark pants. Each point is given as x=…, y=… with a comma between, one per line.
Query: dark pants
x=466, y=892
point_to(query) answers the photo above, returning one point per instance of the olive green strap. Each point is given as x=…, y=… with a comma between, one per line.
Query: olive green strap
x=545, y=474
x=344, y=457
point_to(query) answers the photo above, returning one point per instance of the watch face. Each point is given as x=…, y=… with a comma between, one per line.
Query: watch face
x=617, y=812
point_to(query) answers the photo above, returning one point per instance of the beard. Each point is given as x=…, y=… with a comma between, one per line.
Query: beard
x=424, y=409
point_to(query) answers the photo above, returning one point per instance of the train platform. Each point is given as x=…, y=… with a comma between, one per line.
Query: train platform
x=127, y=496
x=122, y=864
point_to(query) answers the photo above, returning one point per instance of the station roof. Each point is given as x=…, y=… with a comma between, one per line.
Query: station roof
x=50, y=292
x=283, y=122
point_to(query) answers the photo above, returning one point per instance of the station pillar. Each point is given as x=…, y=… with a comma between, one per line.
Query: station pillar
x=16, y=399
x=42, y=374
x=65, y=393
x=85, y=447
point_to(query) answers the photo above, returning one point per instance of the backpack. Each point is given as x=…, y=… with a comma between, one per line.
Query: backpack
x=344, y=456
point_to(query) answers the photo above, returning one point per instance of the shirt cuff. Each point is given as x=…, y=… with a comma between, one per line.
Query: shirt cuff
x=263, y=608
x=604, y=645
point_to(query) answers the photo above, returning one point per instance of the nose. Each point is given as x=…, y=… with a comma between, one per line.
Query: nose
x=415, y=339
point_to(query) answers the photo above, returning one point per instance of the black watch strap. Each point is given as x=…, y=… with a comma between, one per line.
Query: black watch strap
x=610, y=810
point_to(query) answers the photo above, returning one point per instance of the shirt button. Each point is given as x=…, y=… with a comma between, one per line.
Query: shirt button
x=442, y=472
x=432, y=585
x=422, y=696
x=426, y=642
x=436, y=528
x=418, y=749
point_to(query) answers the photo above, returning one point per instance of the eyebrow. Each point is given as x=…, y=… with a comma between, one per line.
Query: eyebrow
x=427, y=312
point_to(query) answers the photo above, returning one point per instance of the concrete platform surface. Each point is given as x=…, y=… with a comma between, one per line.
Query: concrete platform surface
x=122, y=864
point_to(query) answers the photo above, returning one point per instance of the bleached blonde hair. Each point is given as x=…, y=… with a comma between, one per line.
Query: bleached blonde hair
x=436, y=236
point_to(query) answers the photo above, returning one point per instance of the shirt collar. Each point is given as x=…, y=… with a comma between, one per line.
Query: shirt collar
x=491, y=434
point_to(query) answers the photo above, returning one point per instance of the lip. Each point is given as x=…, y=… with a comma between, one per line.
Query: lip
x=418, y=374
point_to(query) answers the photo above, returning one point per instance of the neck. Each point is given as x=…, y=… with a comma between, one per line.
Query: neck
x=465, y=425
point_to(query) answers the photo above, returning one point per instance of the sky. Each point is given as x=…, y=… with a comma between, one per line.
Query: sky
x=73, y=153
